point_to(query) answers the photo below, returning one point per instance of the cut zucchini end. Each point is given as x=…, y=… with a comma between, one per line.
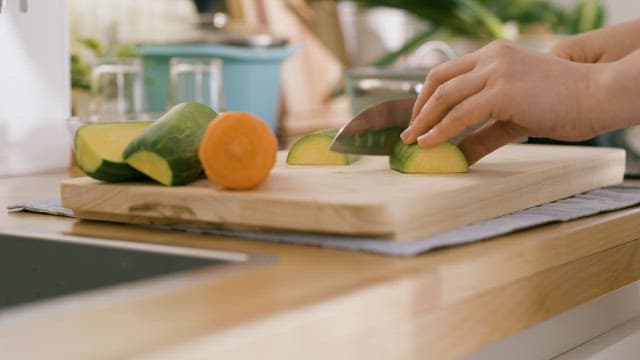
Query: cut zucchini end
x=446, y=158
x=152, y=165
x=313, y=149
x=87, y=157
x=110, y=139
x=98, y=150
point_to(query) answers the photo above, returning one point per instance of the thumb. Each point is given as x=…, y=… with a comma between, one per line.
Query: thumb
x=491, y=136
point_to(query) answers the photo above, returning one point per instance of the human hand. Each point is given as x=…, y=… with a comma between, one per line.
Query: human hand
x=600, y=46
x=523, y=92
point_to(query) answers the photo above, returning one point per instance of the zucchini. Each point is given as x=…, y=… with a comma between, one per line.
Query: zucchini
x=444, y=158
x=98, y=150
x=313, y=149
x=167, y=151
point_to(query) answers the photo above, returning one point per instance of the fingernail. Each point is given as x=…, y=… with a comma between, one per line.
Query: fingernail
x=405, y=135
x=424, y=139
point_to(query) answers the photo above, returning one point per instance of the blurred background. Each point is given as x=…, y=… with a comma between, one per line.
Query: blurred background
x=326, y=59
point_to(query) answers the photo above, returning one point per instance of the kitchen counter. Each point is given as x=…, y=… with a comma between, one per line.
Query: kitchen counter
x=319, y=303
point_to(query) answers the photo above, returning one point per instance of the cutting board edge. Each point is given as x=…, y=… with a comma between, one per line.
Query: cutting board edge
x=611, y=170
x=177, y=224
x=192, y=209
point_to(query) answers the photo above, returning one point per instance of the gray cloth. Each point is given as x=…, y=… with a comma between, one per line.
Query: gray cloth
x=586, y=204
x=49, y=206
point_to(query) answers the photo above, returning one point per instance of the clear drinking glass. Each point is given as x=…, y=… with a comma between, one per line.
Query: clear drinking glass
x=117, y=90
x=196, y=79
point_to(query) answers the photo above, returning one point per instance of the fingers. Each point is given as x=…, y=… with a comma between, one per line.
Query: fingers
x=488, y=138
x=440, y=75
x=471, y=111
x=446, y=97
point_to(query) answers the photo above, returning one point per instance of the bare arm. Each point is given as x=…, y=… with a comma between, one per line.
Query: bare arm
x=523, y=93
x=620, y=81
x=599, y=46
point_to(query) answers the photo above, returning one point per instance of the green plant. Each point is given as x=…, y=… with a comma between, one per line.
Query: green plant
x=584, y=15
x=80, y=72
x=486, y=19
x=88, y=51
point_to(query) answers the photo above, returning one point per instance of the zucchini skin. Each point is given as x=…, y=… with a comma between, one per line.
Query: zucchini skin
x=175, y=137
x=401, y=154
x=110, y=171
x=445, y=158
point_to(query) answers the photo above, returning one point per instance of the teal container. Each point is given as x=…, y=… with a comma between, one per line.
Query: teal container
x=250, y=76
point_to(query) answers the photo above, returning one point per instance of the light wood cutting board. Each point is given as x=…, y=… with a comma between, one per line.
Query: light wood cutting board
x=365, y=198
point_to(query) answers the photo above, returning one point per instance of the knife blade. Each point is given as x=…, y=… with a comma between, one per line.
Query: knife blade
x=375, y=130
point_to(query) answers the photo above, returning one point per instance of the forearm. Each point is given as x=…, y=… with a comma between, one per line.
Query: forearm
x=616, y=94
x=625, y=36
x=601, y=46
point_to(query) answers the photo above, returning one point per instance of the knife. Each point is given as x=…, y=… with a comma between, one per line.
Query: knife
x=376, y=130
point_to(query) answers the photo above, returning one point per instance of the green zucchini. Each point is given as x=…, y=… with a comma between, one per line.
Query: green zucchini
x=313, y=149
x=167, y=151
x=98, y=150
x=444, y=158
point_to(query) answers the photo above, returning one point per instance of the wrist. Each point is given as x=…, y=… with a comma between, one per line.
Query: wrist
x=613, y=94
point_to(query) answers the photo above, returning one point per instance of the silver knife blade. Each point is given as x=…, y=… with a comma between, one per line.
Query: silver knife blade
x=376, y=130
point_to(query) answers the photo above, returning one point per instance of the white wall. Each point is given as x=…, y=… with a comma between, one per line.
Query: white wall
x=622, y=10
x=34, y=87
x=133, y=21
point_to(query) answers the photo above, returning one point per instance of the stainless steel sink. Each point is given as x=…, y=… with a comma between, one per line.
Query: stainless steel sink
x=34, y=268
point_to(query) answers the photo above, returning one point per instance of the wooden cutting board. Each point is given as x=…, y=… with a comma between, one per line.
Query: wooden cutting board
x=365, y=198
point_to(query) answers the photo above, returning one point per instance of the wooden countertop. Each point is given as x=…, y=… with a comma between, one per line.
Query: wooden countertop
x=319, y=303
